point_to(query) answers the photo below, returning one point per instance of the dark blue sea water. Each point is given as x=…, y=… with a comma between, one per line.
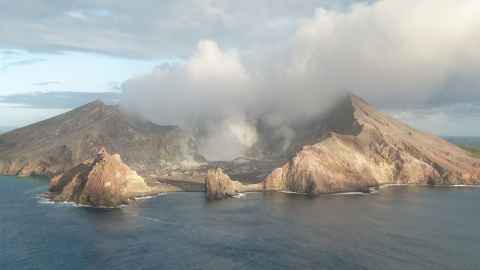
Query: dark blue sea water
x=397, y=228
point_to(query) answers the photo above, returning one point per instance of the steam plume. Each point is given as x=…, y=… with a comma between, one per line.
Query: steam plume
x=394, y=53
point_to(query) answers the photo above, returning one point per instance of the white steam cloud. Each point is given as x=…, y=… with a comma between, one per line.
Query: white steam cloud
x=394, y=53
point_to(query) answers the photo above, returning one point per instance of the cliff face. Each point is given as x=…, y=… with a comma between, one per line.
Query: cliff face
x=103, y=181
x=219, y=186
x=58, y=144
x=359, y=147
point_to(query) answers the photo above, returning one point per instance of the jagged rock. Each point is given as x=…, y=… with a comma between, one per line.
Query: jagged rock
x=359, y=148
x=219, y=186
x=55, y=145
x=103, y=181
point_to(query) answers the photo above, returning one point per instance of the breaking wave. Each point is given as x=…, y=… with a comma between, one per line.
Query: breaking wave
x=44, y=199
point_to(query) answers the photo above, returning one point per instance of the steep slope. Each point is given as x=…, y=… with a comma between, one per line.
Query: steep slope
x=357, y=147
x=57, y=144
x=219, y=186
x=103, y=181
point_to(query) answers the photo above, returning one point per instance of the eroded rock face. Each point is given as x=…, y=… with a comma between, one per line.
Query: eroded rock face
x=219, y=186
x=360, y=148
x=103, y=181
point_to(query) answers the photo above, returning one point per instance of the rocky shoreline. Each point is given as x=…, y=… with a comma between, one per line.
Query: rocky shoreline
x=102, y=182
x=354, y=148
x=218, y=186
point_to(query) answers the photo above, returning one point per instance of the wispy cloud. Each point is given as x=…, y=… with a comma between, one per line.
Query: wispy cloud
x=59, y=100
x=115, y=86
x=8, y=53
x=46, y=83
x=25, y=62
x=77, y=14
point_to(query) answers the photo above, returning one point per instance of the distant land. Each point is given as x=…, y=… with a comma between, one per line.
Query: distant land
x=464, y=141
x=471, y=144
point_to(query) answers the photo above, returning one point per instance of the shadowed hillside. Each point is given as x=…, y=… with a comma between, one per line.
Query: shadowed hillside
x=50, y=147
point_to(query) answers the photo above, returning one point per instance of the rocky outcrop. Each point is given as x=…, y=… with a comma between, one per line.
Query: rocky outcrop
x=102, y=182
x=219, y=186
x=359, y=148
x=58, y=144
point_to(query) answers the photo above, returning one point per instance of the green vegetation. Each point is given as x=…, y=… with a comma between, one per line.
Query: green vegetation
x=475, y=151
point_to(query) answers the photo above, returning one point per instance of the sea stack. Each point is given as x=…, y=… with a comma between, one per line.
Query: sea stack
x=219, y=186
x=358, y=147
x=102, y=182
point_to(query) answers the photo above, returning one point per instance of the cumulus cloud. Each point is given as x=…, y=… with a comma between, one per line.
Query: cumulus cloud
x=210, y=83
x=396, y=54
x=209, y=94
x=400, y=52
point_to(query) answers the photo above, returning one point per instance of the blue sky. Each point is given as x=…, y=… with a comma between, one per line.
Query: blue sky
x=25, y=72
x=418, y=60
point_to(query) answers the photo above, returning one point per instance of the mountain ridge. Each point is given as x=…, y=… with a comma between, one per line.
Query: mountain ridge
x=51, y=146
x=362, y=148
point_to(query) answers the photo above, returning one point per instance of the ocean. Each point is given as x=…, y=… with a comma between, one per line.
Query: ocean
x=397, y=228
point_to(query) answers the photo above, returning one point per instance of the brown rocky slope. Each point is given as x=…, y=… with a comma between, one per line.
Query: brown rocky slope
x=55, y=145
x=358, y=147
x=103, y=181
x=218, y=185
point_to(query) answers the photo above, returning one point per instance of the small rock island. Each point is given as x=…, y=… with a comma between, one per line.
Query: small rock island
x=102, y=182
x=218, y=185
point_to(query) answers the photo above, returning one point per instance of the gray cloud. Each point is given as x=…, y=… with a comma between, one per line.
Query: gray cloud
x=395, y=53
x=150, y=28
x=386, y=37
